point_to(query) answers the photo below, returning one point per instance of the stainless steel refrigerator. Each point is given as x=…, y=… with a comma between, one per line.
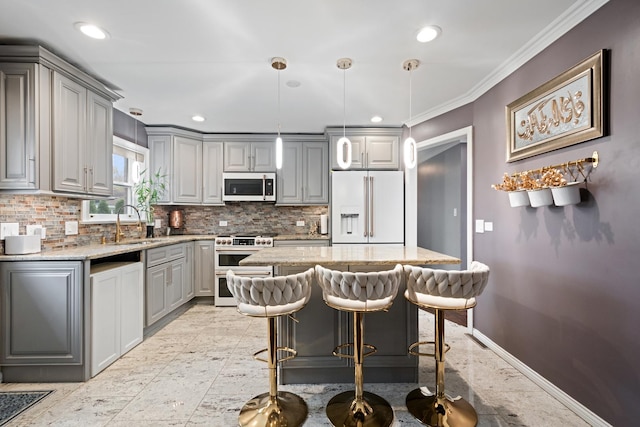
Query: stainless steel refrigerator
x=367, y=207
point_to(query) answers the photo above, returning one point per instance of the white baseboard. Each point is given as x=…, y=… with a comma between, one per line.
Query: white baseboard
x=568, y=401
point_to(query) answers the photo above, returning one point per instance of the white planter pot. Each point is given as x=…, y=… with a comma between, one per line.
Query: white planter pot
x=518, y=198
x=566, y=195
x=540, y=197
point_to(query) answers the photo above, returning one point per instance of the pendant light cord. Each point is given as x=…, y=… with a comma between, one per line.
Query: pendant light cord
x=278, y=102
x=344, y=102
x=410, y=92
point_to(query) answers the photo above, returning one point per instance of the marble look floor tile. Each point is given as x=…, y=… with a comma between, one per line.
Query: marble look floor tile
x=76, y=411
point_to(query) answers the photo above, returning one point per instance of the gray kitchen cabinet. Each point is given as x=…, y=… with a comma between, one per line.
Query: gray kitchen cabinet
x=304, y=177
x=193, y=166
x=187, y=170
x=256, y=156
x=189, y=290
x=372, y=148
x=212, y=154
x=167, y=277
x=57, y=125
x=41, y=308
x=117, y=311
x=204, y=268
x=17, y=121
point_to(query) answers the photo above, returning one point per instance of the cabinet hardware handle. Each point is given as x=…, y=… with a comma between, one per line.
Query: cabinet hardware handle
x=366, y=207
x=370, y=206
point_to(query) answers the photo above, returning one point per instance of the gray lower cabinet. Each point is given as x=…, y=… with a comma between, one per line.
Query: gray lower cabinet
x=169, y=282
x=41, y=308
x=204, y=268
x=391, y=332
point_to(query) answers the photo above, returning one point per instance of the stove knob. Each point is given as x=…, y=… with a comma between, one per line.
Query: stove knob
x=259, y=242
x=269, y=242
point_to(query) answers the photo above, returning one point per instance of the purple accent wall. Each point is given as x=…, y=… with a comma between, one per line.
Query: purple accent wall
x=564, y=291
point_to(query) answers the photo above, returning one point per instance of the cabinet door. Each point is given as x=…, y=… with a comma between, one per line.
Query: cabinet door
x=212, y=172
x=160, y=153
x=289, y=178
x=189, y=290
x=357, y=152
x=99, y=145
x=204, y=266
x=315, y=173
x=105, y=319
x=264, y=157
x=175, y=284
x=17, y=121
x=131, y=306
x=41, y=309
x=156, y=298
x=237, y=156
x=187, y=170
x=382, y=152
x=70, y=133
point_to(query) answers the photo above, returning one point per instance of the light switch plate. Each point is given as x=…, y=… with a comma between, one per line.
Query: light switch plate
x=479, y=226
x=299, y=223
x=71, y=228
x=488, y=226
x=222, y=223
x=9, y=229
x=157, y=223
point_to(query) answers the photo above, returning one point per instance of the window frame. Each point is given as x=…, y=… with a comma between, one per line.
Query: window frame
x=134, y=152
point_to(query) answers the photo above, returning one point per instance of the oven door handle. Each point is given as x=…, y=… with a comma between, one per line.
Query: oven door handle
x=244, y=273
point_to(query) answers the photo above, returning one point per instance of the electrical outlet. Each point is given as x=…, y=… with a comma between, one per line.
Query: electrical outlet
x=9, y=229
x=157, y=223
x=488, y=226
x=479, y=226
x=222, y=223
x=35, y=230
x=299, y=223
x=71, y=228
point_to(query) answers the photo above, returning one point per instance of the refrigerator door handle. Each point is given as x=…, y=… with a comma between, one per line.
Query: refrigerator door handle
x=370, y=206
x=366, y=206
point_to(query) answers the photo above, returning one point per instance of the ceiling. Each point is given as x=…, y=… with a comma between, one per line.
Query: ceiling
x=174, y=59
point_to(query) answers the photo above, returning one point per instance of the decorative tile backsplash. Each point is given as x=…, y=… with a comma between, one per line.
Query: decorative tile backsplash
x=242, y=217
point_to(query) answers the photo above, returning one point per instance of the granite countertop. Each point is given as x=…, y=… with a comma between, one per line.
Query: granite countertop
x=302, y=237
x=88, y=252
x=347, y=255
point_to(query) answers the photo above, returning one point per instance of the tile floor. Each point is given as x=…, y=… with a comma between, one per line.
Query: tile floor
x=198, y=371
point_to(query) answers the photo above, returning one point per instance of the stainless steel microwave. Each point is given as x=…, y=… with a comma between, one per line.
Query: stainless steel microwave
x=249, y=186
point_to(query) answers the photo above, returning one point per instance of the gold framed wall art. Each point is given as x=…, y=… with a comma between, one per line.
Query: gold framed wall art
x=564, y=111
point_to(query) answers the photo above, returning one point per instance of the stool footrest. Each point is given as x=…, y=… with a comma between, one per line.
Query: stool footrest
x=292, y=353
x=414, y=348
x=336, y=351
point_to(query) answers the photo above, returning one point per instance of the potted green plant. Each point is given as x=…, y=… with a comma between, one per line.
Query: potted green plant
x=148, y=191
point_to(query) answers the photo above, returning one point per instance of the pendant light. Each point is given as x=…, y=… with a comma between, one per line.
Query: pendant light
x=410, y=149
x=344, y=64
x=278, y=64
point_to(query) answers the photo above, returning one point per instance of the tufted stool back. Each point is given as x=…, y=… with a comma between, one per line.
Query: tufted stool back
x=446, y=289
x=371, y=291
x=270, y=296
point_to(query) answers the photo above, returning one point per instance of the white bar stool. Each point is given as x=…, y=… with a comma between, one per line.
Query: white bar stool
x=442, y=290
x=359, y=293
x=271, y=297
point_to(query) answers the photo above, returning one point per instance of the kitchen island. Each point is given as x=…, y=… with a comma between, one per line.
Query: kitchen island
x=322, y=328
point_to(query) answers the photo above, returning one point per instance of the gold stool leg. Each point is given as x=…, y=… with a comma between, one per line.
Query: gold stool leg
x=358, y=407
x=437, y=409
x=276, y=408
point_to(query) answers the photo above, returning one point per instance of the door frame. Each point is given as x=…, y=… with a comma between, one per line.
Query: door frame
x=464, y=136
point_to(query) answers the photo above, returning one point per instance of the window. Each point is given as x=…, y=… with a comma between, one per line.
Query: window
x=129, y=160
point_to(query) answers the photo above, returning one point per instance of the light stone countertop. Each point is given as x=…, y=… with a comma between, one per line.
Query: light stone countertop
x=328, y=256
x=81, y=253
x=302, y=237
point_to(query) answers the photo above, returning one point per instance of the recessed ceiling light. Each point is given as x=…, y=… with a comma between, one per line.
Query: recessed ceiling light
x=91, y=30
x=376, y=119
x=293, y=83
x=198, y=119
x=428, y=33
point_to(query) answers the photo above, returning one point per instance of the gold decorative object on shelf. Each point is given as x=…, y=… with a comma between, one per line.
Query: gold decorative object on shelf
x=551, y=180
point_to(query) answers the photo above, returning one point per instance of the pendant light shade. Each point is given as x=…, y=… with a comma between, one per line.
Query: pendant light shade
x=278, y=64
x=344, y=148
x=410, y=148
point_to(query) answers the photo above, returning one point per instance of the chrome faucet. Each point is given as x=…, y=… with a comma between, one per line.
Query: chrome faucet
x=119, y=232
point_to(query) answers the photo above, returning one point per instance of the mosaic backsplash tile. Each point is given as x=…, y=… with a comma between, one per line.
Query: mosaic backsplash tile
x=242, y=217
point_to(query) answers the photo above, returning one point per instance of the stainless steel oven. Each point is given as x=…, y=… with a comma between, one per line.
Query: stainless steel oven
x=229, y=251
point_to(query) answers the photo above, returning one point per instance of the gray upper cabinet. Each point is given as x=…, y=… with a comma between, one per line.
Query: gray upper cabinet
x=57, y=125
x=372, y=148
x=17, y=121
x=304, y=177
x=249, y=156
x=193, y=166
